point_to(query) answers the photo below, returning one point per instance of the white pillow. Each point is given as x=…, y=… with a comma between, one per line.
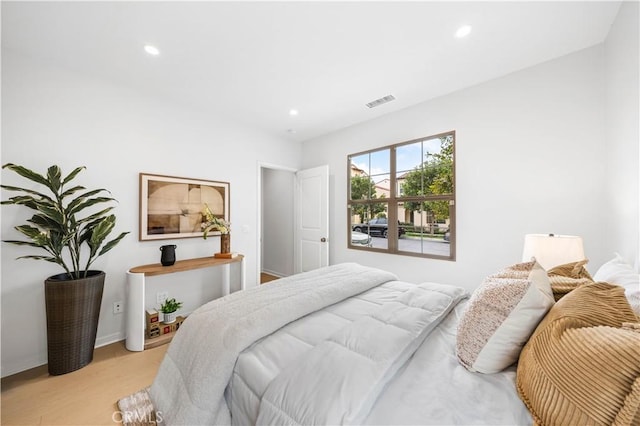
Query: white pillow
x=501, y=315
x=618, y=271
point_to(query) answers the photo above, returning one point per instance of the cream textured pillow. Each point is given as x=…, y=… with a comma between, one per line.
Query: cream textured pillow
x=501, y=315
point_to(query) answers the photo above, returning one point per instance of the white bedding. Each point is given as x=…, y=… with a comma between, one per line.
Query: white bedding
x=430, y=388
x=344, y=344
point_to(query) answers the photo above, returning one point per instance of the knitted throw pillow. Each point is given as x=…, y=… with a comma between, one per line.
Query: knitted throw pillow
x=501, y=315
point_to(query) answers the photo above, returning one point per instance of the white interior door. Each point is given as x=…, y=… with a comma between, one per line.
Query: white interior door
x=312, y=218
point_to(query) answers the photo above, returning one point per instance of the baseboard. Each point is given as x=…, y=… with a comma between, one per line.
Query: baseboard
x=37, y=361
x=109, y=339
x=24, y=365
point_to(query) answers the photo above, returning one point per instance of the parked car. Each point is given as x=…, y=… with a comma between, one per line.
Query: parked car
x=360, y=239
x=378, y=226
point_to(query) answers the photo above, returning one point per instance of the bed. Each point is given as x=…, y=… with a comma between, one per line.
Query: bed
x=349, y=344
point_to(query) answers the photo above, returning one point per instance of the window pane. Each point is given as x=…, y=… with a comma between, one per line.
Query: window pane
x=369, y=221
x=362, y=188
x=361, y=185
x=370, y=175
x=426, y=226
x=409, y=156
x=408, y=169
x=425, y=167
x=438, y=165
x=380, y=165
x=360, y=165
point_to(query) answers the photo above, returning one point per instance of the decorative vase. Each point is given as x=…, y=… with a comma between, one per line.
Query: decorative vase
x=225, y=243
x=169, y=317
x=168, y=256
x=73, y=308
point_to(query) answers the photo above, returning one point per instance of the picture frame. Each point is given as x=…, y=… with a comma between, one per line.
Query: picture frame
x=171, y=207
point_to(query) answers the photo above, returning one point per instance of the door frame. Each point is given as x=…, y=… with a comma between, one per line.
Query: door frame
x=261, y=166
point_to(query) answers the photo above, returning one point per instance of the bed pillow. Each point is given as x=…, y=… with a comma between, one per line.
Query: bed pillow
x=501, y=315
x=568, y=277
x=618, y=271
x=582, y=364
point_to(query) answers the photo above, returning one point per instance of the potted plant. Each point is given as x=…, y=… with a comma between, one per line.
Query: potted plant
x=168, y=309
x=210, y=223
x=68, y=226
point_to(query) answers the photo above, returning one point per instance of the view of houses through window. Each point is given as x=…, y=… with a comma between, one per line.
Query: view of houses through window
x=401, y=198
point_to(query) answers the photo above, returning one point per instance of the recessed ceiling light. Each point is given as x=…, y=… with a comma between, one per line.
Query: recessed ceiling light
x=463, y=31
x=151, y=50
x=293, y=112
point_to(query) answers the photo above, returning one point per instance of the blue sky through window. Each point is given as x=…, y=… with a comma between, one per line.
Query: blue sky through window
x=376, y=164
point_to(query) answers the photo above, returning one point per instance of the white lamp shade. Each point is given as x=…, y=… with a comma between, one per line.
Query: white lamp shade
x=552, y=250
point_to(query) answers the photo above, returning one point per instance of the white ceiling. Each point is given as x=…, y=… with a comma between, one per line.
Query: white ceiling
x=254, y=61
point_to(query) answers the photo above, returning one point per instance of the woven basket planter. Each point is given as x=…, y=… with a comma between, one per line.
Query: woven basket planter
x=73, y=309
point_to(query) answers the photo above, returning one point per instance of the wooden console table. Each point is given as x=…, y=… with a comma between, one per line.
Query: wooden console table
x=136, y=285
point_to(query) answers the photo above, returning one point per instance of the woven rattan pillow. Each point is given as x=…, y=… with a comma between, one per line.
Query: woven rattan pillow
x=501, y=315
x=568, y=277
x=582, y=366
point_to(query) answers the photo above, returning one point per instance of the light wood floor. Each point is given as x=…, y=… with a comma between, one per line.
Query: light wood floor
x=265, y=278
x=84, y=397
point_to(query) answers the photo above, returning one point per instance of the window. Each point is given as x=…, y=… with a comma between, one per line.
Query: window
x=401, y=198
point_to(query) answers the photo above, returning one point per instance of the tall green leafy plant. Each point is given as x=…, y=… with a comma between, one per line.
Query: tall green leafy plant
x=63, y=222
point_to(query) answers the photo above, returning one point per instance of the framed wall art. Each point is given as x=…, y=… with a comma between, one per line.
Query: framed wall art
x=171, y=207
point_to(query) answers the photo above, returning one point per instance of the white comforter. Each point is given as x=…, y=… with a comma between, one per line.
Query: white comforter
x=189, y=387
x=340, y=379
x=430, y=388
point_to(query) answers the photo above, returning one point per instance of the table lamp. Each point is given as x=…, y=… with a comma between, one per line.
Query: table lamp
x=552, y=250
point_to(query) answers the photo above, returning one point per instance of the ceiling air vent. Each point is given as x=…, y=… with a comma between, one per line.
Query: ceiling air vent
x=381, y=101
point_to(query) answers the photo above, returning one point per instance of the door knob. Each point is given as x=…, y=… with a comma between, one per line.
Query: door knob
x=323, y=240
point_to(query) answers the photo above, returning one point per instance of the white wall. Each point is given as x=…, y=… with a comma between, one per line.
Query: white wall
x=622, y=67
x=277, y=222
x=528, y=160
x=51, y=116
